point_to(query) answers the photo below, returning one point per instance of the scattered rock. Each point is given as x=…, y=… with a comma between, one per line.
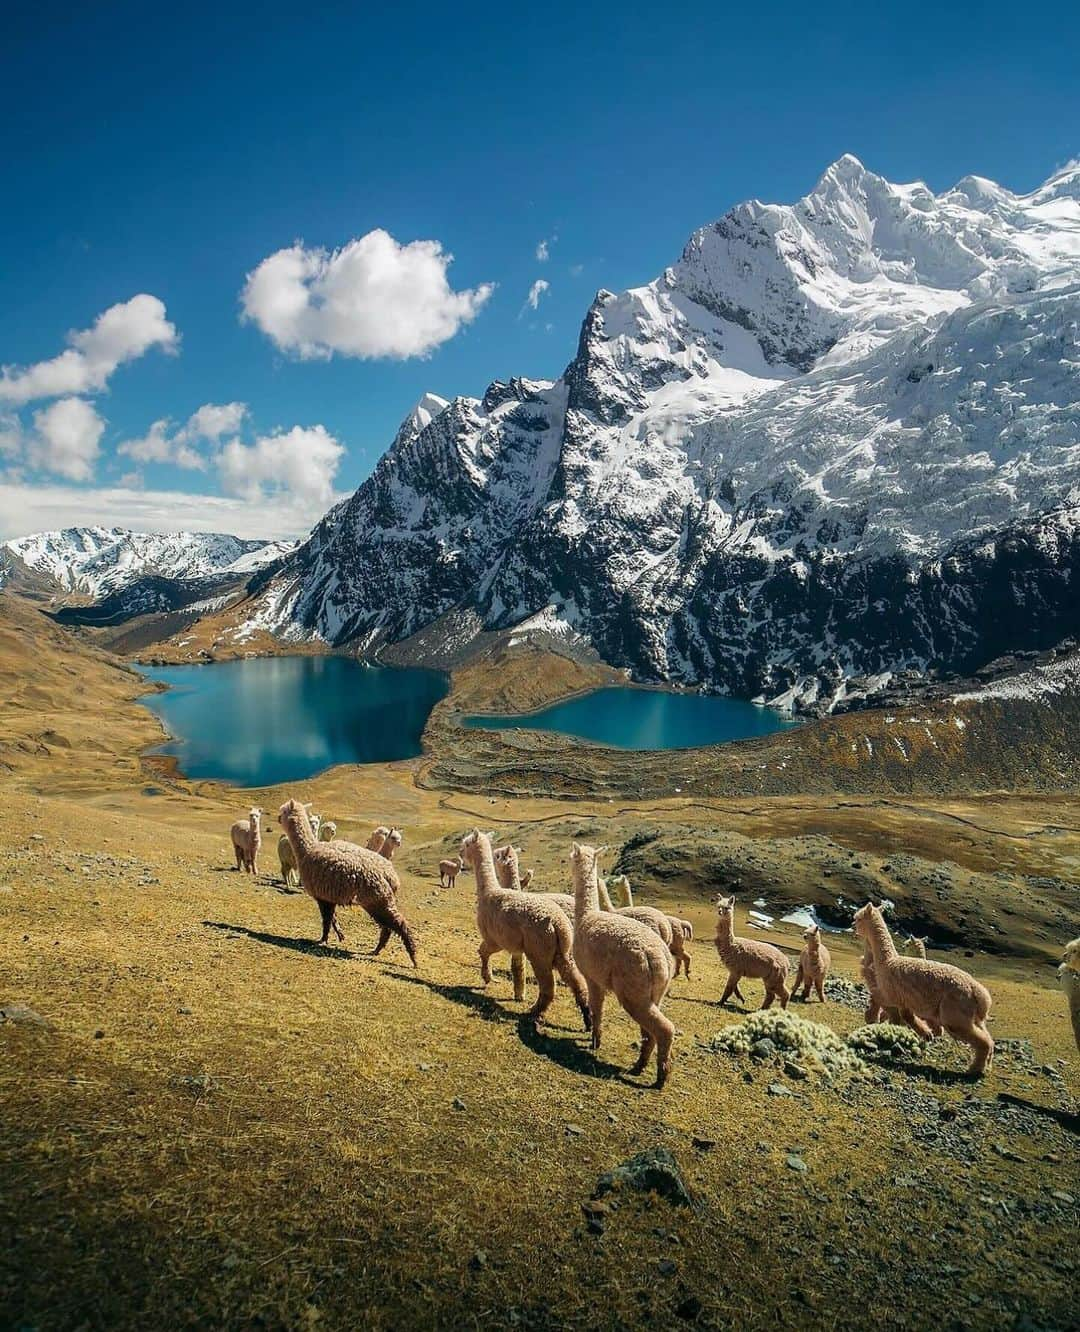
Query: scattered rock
x=652, y=1171
x=19, y=1013
x=478, y=1261
x=778, y=1089
x=794, y=1070
x=666, y=1267
x=703, y=1144
x=794, y=1161
x=458, y=1103
x=574, y=1130
x=763, y=1049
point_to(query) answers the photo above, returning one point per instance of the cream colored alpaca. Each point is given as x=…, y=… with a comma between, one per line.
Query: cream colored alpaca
x=917, y=946
x=337, y=874
x=1069, y=976
x=375, y=841
x=327, y=831
x=287, y=860
x=391, y=844
x=814, y=963
x=247, y=839
x=523, y=925
x=748, y=957
x=621, y=955
x=933, y=993
x=655, y=920
x=875, y=1008
x=449, y=870
x=526, y=878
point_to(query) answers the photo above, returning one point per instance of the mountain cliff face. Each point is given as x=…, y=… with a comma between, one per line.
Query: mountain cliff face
x=835, y=441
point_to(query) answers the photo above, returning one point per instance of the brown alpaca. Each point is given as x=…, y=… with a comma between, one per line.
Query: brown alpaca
x=814, y=963
x=247, y=839
x=523, y=925
x=681, y=934
x=655, y=920
x=943, y=997
x=621, y=955
x=748, y=957
x=337, y=874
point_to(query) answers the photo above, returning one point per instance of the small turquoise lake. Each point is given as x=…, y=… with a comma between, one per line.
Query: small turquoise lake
x=648, y=719
x=267, y=720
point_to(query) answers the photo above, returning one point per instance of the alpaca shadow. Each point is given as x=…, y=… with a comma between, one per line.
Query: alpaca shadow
x=566, y=1053
x=942, y=1076
x=1069, y=1121
x=310, y=946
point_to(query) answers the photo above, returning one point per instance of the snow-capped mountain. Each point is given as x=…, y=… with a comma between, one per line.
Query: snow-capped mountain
x=836, y=439
x=99, y=561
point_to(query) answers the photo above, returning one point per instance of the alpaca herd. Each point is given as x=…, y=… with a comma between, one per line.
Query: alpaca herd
x=597, y=946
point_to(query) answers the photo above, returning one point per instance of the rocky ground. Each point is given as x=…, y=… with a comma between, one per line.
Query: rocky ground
x=210, y=1120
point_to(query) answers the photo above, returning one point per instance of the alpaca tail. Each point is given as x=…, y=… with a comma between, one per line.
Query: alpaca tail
x=688, y=930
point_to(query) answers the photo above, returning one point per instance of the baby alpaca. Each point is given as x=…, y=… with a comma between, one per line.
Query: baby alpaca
x=814, y=963
x=449, y=870
x=928, y=995
x=620, y=955
x=336, y=874
x=748, y=957
x=375, y=841
x=247, y=839
x=681, y=934
x=1069, y=976
x=523, y=925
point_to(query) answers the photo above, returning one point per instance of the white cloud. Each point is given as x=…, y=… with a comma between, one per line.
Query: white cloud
x=65, y=440
x=161, y=444
x=30, y=508
x=301, y=462
x=542, y=252
x=576, y=270
x=538, y=288
x=122, y=333
x=372, y=298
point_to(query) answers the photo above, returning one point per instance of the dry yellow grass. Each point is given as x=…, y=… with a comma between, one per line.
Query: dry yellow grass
x=223, y=1124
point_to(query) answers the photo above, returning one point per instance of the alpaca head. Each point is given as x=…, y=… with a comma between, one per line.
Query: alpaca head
x=328, y=831
x=725, y=906
x=295, y=814
x=393, y=838
x=584, y=857
x=812, y=935
x=472, y=847
x=1071, y=956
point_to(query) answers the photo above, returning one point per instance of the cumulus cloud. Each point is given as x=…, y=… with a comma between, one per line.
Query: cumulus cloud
x=162, y=444
x=65, y=440
x=542, y=252
x=301, y=462
x=538, y=288
x=373, y=298
x=44, y=508
x=122, y=333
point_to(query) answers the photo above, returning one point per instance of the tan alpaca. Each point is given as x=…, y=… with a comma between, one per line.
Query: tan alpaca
x=521, y=924
x=564, y=901
x=622, y=956
x=391, y=844
x=917, y=946
x=449, y=870
x=681, y=934
x=876, y=1011
x=1069, y=976
x=933, y=993
x=246, y=837
x=748, y=957
x=337, y=874
x=327, y=831
x=526, y=878
x=375, y=841
x=287, y=860
x=814, y=963
x=655, y=920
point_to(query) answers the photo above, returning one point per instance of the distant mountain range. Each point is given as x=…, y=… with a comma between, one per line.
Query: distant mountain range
x=836, y=443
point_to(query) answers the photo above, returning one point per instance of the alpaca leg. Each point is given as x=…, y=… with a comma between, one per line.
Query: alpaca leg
x=908, y=1018
x=648, y=1045
x=769, y=997
x=732, y=987
x=658, y=1033
x=665, y=1036
x=686, y=964
x=575, y=983
x=819, y=985
x=545, y=979
x=596, y=1009
x=255, y=863
x=517, y=975
x=784, y=994
x=239, y=857
x=384, y=938
x=386, y=915
x=739, y=994
x=981, y=1042
x=799, y=978
x=487, y=952
x=326, y=910
x=336, y=927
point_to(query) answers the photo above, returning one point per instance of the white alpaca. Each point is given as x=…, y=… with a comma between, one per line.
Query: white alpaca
x=247, y=839
x=449, y=870
x=391, y=844
x=375, y=841
x=327, y=831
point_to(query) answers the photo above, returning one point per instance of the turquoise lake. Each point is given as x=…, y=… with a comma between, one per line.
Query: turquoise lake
x=281, y=719
x=648, y=719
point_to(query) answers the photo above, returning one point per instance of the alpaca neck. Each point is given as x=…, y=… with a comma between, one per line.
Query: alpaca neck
x=602, y=894
x=301, y=838
x=879, y=940
x=586, y=890
x=513, y=878
x=725, y=933
x=484, y=867
x=625, y=896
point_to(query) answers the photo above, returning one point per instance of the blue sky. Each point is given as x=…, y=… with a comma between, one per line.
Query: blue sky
x=171, y=151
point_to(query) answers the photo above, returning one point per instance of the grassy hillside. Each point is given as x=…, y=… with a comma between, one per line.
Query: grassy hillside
x=210, y=1120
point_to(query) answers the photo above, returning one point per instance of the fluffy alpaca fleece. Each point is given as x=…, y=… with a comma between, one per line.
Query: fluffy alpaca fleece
x=375, y=841
x=681, y=934
x=391, y=844
x=622, y=956
x=327, y=831
x=928, y=994
x=1069, y=976
x=287, y=860
x=336, y=874
x=814, y=963
x=655, y=920
x=523, y=925
x=247, y=839
x=449, y=870
x=748, y=957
